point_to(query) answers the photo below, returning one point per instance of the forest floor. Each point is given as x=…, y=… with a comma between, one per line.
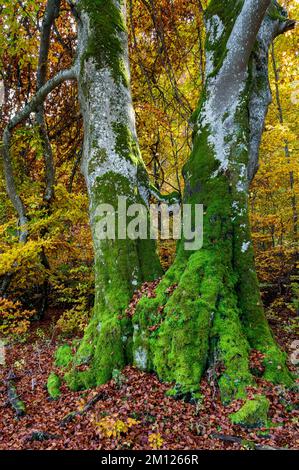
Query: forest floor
x=133, y=411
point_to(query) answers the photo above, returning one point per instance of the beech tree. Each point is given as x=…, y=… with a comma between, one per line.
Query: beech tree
x=212, y=314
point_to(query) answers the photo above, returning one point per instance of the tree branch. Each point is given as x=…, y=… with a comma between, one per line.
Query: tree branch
x=51, y=13
x=286, y=26
x=74, y=169
x=172, y=198
x=239, y=48
x=35, y=105
x=40, y=96
x=272, y=26
x=244, y=33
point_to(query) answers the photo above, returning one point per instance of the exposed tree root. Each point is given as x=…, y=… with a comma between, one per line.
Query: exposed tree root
x=239, y=440
x=200, y=326
x=13, y=397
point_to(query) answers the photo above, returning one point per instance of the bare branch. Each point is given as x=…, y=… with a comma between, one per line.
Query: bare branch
x=286, y=26
x=11, y=186
x=40, y=96
x=74, y=169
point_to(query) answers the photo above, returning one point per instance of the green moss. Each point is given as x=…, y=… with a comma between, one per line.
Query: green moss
x=180, y=348
x=277, y=12
x=107, y=342
x=79, y=380
x=20, y=407
x=200, y=322
x=230, y=345
x=172, y=392
x=63, y=356
x=53, y=386
x=126, y=145
x=97, y=160
x=276, y=370
x=178, y=392
x=171, y=198
x=17, y=404
x=103, y=349
x=252, y=316
x=104, y=43
x=254, y=413
x=120, y=265
x=227, y=12
x=215, y=315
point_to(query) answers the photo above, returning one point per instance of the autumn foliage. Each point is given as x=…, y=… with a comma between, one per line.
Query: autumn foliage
x=50, y=277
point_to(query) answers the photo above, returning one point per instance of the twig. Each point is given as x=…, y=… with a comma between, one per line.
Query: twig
x=71, y=416
x=41, y=436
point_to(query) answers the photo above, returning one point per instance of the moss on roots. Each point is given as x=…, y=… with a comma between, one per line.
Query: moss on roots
x=215, y=316
x=254, y=413
x=53, y=386
x=63, y=356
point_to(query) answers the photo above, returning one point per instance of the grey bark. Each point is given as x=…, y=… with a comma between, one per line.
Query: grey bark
x=20, y=116
x=239, y=47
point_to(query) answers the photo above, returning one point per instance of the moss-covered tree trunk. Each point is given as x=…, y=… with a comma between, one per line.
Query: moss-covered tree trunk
x=215, y=315
x=113, y=168
x=207, y=312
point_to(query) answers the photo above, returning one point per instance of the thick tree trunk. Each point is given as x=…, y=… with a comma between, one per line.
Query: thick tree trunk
x=112, y=167
x=215, y=315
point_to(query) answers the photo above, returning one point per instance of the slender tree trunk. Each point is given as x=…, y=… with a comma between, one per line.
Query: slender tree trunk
x=286, y=147
x=51, y=13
